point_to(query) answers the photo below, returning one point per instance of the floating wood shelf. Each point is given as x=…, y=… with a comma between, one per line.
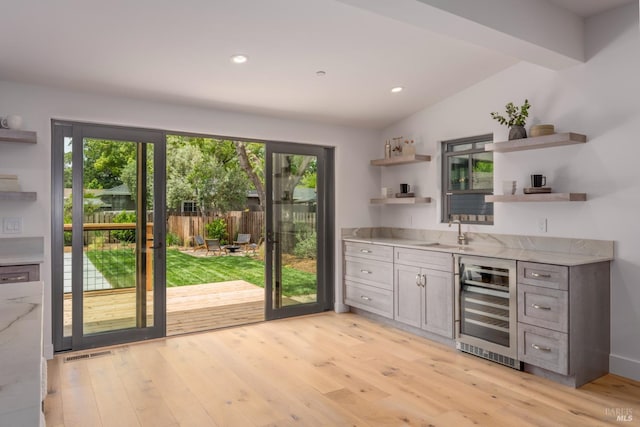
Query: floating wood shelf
x=542, y=197
x=546, y=141
x=11, y=135
x=26, y=196
x=401, y=201
x=401, y=160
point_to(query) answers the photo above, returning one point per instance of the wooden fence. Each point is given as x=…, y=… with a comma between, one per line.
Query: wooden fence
x=185, y=227
x=248, y=222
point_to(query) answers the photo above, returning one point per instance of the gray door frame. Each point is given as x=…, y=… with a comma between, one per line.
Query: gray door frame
x=325, y=231
x=78, y=131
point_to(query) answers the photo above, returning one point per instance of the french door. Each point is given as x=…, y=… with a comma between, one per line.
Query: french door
x=108, y=228
x=298, y=186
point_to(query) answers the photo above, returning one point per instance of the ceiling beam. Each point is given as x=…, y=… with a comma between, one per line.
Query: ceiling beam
x=535, y=31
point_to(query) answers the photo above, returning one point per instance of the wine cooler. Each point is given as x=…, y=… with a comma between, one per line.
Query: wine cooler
x=486, y=309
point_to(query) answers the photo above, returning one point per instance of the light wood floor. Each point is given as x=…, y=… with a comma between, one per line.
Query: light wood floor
x=322, y=370
x=189, y=308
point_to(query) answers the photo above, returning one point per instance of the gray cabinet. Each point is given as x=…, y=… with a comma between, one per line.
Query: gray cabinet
x=423, y=290
x=368, y=277
x=563, y=320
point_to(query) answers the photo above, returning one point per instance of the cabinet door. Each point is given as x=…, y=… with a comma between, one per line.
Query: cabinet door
x=438, y=302
x=408, y=296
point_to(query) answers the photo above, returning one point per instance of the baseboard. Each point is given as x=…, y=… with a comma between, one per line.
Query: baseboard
x=340, y=308
x=624, y=367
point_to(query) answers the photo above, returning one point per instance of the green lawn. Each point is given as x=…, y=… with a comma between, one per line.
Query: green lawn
x=118, y=267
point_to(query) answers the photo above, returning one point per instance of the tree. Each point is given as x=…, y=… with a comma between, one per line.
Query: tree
x=104, y=161
x=194, y=175
x=252, y=163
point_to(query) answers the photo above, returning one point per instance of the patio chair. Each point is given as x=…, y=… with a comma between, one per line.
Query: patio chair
x=198, y=243
x=213, y=245
x=243, y=241
x=254, y=246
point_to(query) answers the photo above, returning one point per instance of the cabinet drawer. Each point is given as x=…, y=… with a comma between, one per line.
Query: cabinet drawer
x=441, y=261
x=369, y=250
x=375, y=300
x=19, y=273
x=374, y=273
x=544, y=348
x=548, y=308
x=546, y=275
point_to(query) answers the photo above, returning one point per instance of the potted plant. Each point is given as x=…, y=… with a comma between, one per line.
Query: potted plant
x=515, y=120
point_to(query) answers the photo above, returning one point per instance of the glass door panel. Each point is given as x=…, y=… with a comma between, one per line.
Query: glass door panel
x=295, y=220
x=117, y=273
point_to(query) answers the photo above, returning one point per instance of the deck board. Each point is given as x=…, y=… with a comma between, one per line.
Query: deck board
x=189, y=308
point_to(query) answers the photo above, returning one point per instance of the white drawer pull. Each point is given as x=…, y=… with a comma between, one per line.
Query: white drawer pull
x=537, y=347
x=545, y=276
x=540, y=307
x=365, y=298
x=365, y=251
x=365, y=271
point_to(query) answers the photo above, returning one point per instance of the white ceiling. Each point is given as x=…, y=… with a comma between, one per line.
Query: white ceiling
x=586, y=8
x=179, y=52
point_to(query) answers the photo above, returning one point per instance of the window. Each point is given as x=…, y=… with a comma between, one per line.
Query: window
x=189, y=206
x=467, y=176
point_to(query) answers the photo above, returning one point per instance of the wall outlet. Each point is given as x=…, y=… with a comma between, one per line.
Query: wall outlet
x=12, y=225
x=542, y=225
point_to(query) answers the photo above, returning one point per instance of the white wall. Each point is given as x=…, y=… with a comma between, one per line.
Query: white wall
x=355, y=181
x=600, y=99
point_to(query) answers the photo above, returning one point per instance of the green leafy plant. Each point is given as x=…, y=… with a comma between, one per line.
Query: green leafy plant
x=217, y=229
x=173, y=240
x=517, y=116
x=124, y=236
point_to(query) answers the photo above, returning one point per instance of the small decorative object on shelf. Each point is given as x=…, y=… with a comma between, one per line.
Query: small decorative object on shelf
x=541, y=130
x=387, y=150
x=397, y=146
x=409, y=148
x=515, y=120
x=11, y=122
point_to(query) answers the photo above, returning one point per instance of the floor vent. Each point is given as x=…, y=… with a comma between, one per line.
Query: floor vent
x=495, y=357
x=87, y=356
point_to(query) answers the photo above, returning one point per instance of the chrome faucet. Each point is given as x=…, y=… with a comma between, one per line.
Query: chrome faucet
x=462, y=238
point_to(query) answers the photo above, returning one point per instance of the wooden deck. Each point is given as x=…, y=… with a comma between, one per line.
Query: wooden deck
x=189, y=308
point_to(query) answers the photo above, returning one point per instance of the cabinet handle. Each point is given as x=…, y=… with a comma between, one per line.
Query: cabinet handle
x=546, y=276
x=365, y=298
x=365, y=251
x=22, y=278
x=365, y=271
x=537, y=347
x=424, y=281
x=418, y=280
x=540, y=307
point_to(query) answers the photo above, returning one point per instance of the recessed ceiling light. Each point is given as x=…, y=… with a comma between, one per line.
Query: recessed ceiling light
x=397, y=89
x=321, y=73
x=239, y=59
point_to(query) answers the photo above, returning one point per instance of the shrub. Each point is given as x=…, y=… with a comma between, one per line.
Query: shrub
x=307, y=247
x=124, y=236
x=173, y=239
x=217, y=229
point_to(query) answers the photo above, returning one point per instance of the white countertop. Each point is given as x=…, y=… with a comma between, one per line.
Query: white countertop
x=20, y=353
x=546, y=257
